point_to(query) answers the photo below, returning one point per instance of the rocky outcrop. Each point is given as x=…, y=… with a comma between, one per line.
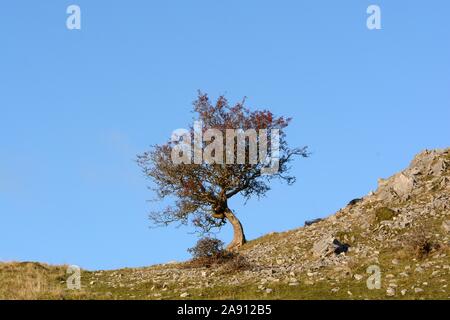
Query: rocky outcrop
x=431, y=164
x=418, y=197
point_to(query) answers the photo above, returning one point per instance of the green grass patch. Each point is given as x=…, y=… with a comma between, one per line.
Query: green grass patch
x=384, y=214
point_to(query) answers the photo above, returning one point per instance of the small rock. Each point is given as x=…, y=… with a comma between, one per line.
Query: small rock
x=268, y=290
x=403, y=292
x=419, y=269
x=184, y=295
x=446, y=225
x=358, y=277
x=390, y=292
x=418, y=290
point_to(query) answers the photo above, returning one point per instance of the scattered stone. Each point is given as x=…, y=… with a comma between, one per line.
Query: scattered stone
x=340, y=247
x=390, y=292
x=403, y=274
x=358, y=277
x=403, y=184
x=315, y=252
x=446, y=225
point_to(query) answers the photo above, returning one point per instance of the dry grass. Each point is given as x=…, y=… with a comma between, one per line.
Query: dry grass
x=384, y=214
x=27, y=280
x=236, y=264
x=420, y=243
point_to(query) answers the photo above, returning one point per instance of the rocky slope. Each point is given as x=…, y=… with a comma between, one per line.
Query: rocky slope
x=401, y=230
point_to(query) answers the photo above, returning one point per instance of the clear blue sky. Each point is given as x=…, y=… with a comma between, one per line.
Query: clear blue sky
x=77, y=106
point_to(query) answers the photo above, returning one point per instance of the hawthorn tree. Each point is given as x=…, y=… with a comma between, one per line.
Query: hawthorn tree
x=200, y=191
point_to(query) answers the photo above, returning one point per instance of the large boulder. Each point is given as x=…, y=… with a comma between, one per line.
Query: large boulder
x=354, y=201
x=329, y=245
x=340, y=247
x=324, y=246
x=398, y=186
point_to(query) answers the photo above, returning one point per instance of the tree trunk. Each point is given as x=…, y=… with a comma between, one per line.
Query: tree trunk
x=239, y=236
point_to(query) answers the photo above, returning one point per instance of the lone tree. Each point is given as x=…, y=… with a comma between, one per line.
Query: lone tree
x=201, y=183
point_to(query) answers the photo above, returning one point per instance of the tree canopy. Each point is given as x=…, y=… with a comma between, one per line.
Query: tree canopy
x=207, y=176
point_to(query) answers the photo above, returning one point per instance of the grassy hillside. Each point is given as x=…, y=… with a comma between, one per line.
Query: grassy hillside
x=402, y=228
